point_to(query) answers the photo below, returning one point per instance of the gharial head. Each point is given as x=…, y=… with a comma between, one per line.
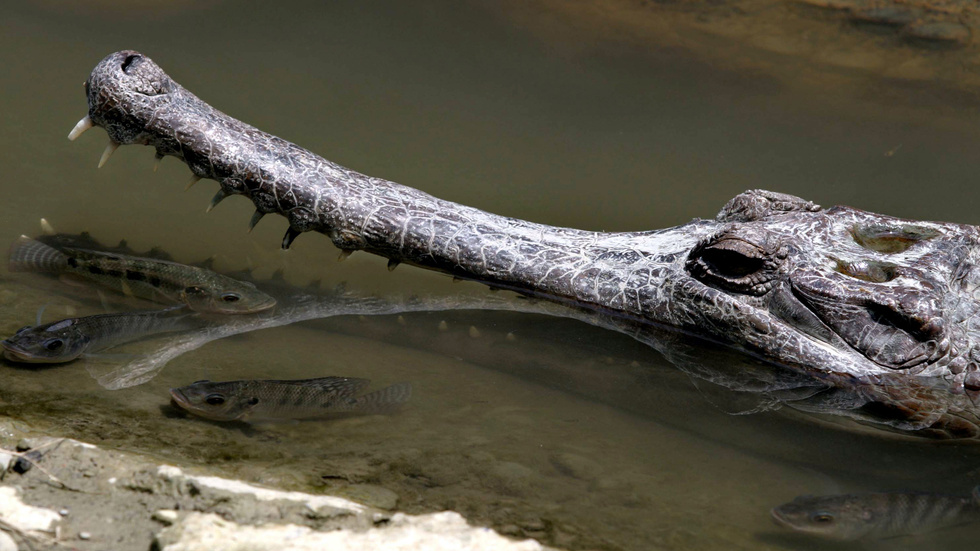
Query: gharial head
x=876, y=295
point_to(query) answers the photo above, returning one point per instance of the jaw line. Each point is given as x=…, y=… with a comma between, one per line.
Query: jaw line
x=15, y=354
x=179, y=397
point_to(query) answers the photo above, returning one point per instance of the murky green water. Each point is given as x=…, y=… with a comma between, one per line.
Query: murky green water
x=574, y=435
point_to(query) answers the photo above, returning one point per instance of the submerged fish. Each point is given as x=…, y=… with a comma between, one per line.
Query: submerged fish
x=159, y=280
x=876, y=515
x=67, y=339
x=286, y=400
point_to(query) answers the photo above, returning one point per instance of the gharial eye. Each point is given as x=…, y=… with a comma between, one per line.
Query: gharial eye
x=230, y=297
x=215, y=399
x=730, y=262
x=53, y=344
x=734, y=264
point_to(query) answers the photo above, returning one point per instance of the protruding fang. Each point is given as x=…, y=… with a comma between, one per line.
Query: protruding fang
x=46, y=227
x=392, y=264
x=218, y=197
x=255, y=219
x=443, y=326
x=109, y=149
x=80, y=128
x=156, y=161
x=194, y=179
x=474, y=332
x=344, y=254
x=287, y=240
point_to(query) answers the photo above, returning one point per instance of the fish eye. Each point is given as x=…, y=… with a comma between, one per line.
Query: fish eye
x=822, y=518
x=230, y=297
x=215, y=399
x=53, y=344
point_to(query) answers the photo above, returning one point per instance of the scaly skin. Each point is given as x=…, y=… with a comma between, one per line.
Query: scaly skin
x=854, y=299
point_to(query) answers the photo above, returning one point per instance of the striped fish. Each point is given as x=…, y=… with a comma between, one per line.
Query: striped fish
x=876, y=515
x=282, y=400
x=158, y=280
x=65, y=340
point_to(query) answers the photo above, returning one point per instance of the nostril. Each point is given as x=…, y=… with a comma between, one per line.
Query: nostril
x=128, y=62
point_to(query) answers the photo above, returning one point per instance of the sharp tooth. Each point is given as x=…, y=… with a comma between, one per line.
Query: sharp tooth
x=474, y=332
x=218, y=197
x=443, y=326
x=108, y=151
x=81, y=127
x=287, y=239
x=46, y=227
x=255, y=219
x=156, y=161
x=392, y=264
x=194, y=179
x=345, y=254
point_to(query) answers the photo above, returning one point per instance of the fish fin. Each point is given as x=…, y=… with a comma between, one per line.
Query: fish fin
x=30, y=255
x=385, y=401
x=73, y=280
x=40, y=312
x=247, y=410
x=110, y=356
x=340, y=387
x=126, y=289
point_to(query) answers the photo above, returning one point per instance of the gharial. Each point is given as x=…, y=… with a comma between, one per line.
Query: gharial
x=852, y=299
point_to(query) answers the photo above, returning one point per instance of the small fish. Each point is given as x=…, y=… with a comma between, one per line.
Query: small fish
x=67, y=339
x=876, y=515
x=287, y=400
x=158, y=280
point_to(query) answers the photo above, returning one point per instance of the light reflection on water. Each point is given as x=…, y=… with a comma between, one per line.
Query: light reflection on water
x=572, y=434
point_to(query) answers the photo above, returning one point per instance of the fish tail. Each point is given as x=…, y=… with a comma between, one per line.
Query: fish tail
x=30, y=255
x=384, y=401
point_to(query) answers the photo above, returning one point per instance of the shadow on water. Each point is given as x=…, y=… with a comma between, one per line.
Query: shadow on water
x=540, y=426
